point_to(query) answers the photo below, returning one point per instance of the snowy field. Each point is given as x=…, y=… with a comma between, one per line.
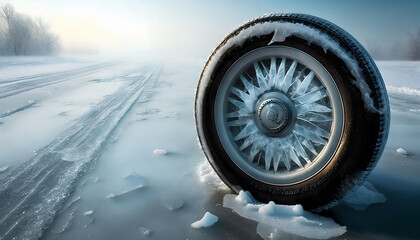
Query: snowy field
x=107, y=149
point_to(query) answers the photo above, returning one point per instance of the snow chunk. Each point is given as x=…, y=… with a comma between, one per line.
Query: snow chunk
x=271, y=209
x=244, y=197
x=207, y=175
x=95, y=180
x=4, y=169
x=160, y=151
x=363, y=197
x=289, y=219
x=207, y=221
x=111, y=195
x=88, y=213
x=146, y=231
x=402, y=151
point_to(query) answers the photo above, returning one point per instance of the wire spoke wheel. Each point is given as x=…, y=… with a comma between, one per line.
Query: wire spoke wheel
x=292, y=109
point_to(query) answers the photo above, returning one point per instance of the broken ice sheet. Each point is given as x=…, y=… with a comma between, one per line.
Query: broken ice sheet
x=133, y=179
x=132, y=182
x=268, y=232
x=292, y=220
x=173, y=204
x=112, y=195
x=363, y=197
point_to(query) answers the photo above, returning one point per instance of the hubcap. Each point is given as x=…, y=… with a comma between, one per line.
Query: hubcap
x=275, y=114
x=279, y=115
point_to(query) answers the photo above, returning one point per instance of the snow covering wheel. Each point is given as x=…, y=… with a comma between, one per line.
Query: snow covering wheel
x=293, y=109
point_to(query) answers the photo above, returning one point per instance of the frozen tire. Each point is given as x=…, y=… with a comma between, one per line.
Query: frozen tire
x=293, y=109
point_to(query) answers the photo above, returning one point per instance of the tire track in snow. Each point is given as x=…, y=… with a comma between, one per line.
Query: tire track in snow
x=33, y=193
x=19, y=109
x=31, y=103
x=13, y=87
x=36, y=77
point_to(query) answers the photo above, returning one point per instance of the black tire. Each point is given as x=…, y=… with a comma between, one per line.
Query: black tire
x=363, y=125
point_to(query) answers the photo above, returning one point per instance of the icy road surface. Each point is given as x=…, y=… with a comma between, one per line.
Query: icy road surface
x=108, y=150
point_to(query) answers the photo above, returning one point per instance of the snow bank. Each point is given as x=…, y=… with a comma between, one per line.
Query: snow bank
x=207, y=175
x=403, y=90
x=289, y=219
x=363, y=197
x=207, y=221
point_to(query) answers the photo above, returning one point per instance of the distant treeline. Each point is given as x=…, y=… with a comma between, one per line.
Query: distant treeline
x=405, y=48
x=22, y=35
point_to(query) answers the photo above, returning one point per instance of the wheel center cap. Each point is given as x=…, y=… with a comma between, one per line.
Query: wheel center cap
x=273, y=114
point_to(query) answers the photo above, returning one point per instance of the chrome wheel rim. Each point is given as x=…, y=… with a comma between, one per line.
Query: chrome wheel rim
x=279, y=115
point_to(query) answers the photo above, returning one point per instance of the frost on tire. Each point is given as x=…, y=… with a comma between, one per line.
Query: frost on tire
x=293, y=109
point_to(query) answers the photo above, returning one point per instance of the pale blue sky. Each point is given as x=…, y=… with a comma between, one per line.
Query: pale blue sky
x=195, y=27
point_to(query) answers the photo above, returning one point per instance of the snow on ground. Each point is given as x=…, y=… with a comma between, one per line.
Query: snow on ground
x=123, y=187
x=208, y=176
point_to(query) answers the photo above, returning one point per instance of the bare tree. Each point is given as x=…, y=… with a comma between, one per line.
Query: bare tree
x=7, y=14
x=21, y=35
x=47, y=42
x=414, y=45
x=2, y=41
x=376, y=50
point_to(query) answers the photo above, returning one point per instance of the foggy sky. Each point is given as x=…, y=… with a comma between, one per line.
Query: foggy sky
x=193, y=28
